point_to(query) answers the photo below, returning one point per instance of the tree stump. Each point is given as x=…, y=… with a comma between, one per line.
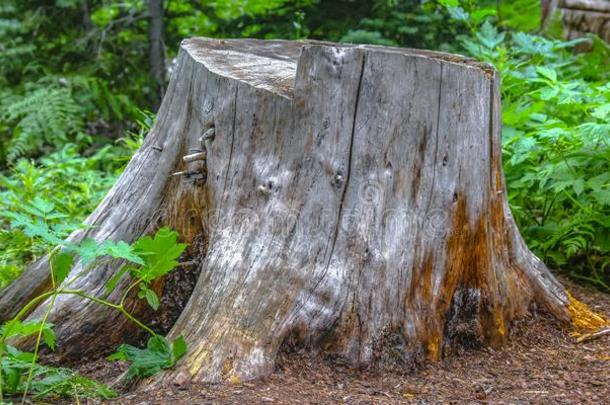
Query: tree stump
x=352, y=201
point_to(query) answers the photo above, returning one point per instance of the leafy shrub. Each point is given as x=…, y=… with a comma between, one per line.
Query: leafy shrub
x=148, y=259
x=406, y=23
x=58, y=192
x=556, y=126
x=55, y=111
x=45, y=380
x=54, y=88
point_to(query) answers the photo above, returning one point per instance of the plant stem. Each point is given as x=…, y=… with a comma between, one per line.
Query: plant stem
x=124, y=297
x=26, y=309
x=137, y=322
x=89, y=297
x=19, y=315
x=109, y=304
x=53, y=294
x=37, y=347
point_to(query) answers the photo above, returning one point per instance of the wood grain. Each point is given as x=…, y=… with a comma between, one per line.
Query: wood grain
x=354, y=204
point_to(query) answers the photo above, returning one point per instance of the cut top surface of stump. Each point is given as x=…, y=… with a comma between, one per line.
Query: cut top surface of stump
x=272, y=65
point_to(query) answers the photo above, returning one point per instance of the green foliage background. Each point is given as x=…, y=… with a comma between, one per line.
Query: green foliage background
x=74, y=80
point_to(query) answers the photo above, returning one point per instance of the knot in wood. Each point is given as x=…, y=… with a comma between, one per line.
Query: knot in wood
x=208, y=135
x=265, y=188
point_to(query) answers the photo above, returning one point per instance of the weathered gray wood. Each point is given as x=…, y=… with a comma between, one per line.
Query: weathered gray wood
x=354, y=202
x=580, y=17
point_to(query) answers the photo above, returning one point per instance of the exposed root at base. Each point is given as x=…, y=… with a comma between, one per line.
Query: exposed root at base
x=587, y=324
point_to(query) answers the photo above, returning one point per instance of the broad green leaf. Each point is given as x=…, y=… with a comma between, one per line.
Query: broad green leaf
x=449, y=3
x=17, y=328
x=547, y=73
x=61, y=264
x=33, y=229
x=88, y=250
x=602, y=196
x=114, y=280
x=549, y=93
x=179, y=348
x=599, y=181
x=157, y=355
x=121, y=250
x=160, y=254
x=150, y=296
x=578, y=186
x=458, y=13
x=12, y=377
x=602, y=112
x=43, y=206
x=48, y=335
x=18, y=355
x=489, y=36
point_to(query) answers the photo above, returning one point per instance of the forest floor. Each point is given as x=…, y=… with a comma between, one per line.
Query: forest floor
x=539, y=364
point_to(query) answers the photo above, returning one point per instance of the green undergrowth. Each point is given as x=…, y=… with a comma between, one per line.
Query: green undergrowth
x=69, y=91
x=144, y=261
x=58, y=191
x=556, y=132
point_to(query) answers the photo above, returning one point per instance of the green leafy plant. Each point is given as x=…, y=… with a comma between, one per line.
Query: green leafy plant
x=19, y=367
x=406, y=23
x=148, y=259
x=556, y=126
x=45, y=115
x=57, y=192
x=159, y=256
x=159, y=354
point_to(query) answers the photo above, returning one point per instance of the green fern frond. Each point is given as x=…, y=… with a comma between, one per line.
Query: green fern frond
x=44, y=116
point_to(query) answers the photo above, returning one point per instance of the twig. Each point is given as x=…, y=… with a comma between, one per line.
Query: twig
x=590, y=336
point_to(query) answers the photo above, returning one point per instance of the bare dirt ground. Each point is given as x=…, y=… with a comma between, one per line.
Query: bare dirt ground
x=539, y=364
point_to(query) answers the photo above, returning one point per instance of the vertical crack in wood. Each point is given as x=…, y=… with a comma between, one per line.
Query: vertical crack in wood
x=438, y=121
x=347, y=183
x=224, y=186
x=196, y=113
x=492, y=136
x=347, y=179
